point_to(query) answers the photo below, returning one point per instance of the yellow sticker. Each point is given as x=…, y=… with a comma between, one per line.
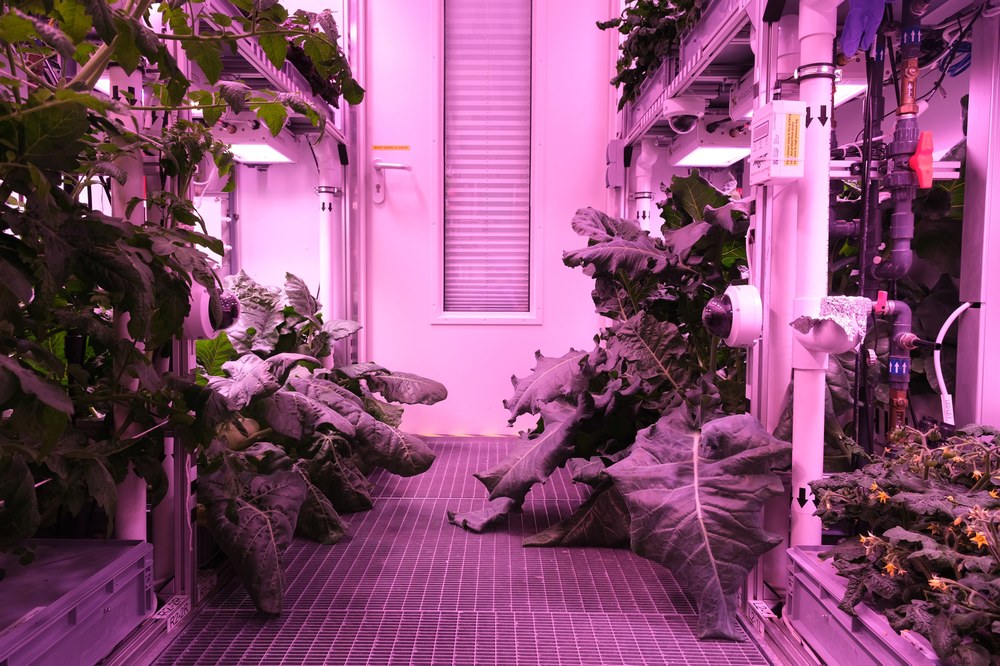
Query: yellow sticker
x=390, y=147
x=792, y=123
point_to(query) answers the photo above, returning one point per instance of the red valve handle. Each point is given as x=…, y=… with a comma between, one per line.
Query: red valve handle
x=922, y=160
x=881, y=303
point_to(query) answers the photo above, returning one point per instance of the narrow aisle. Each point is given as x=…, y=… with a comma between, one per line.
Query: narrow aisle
x=409, y=588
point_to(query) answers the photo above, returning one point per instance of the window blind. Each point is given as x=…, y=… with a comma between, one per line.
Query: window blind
x=487, y=155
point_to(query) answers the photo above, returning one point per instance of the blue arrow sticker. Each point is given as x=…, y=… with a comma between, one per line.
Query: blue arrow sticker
x=911, y=36
x=899, y=366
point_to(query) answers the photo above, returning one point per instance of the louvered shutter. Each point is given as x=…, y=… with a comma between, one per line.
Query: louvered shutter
x=487, y=140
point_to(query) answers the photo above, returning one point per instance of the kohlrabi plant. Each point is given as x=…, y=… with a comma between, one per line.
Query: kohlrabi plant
x=641, y=418
x=300, y=440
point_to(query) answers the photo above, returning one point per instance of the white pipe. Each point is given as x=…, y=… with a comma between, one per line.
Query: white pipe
x=947, y=405
x=644, y=186
x=332, y=235
x=164, y=517
x=817, y=28
x=130, y=511
x=780, y=266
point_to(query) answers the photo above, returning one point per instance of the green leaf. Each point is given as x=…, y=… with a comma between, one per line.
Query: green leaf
x=19, y=517
x=103, y=19
x=551, y=379
x=248, y=377
x=51, y=394
x=477, y=521
x=353, y=93
x=693, y=194
x=275, y=48
x=235, y=93
x=407, y=388
x=602, y=521
x=16, y=27
x=339, y=329
x=318, y=520
x=536, y=456
x=300, y=298
x=126, y=52
x=206, y=56
x=52, y=136
x=297, y=416
x=213, y=353
x=398, y=452
x=101, y=485
x=50, y=34
x=706, y=492
x=338, y=479
x=384, y=412
x=266, y=513
x=636, y=257
x=274, y=115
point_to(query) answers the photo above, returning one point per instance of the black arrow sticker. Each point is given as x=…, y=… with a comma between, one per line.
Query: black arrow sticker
x=803, y=498
x=809, y=116
x=822, y=115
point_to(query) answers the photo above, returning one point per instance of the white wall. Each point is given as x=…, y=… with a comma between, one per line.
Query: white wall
x=571, y=100
x=278, y=228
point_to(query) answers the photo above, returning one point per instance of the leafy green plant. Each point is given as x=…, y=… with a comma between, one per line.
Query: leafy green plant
x=300, y=439
x=652, y=30
x=929, y=554
x=638, y=417
x=89, y=301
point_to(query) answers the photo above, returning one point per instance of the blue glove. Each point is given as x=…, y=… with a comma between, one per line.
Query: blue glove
x=861, y=25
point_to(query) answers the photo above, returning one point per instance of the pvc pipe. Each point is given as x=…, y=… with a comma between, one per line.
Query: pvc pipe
x=817, y=28
x=332, y=235
x=947, y=405
x=644, y=186
x=164, y=516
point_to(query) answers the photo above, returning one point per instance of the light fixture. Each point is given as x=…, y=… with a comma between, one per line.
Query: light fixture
x=853, y=81
x=701, y=148
x=251, y=142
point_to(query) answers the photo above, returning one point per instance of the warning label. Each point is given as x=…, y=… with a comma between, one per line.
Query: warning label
x=390, y=147
x=792, y=129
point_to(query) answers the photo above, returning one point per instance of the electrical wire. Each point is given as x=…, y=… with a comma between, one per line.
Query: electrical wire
x=946, y=63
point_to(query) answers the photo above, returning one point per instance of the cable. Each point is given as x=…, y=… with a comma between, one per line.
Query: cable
x=947, y=406
x=946, y=64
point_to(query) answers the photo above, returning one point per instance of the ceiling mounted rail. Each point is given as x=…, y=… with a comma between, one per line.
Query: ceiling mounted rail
x=703, y=49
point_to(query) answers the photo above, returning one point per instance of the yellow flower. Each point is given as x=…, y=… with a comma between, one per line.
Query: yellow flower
x=874, y=486
x=994, y=494
x=882, y=496
x=950, y=498
x=980, y=540
x=937, y=583
x=893, y=569
x=934, y=528
x=957, y=521
x=976, y=474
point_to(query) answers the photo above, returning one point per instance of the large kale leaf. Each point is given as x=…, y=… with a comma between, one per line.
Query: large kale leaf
x=698, y=510
x=255, y=526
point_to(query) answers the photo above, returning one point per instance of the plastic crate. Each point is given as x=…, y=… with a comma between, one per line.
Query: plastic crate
x=75, y=602
x=814, y=590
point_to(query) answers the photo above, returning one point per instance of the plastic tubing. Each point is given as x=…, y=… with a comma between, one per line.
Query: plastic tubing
x=942, y=389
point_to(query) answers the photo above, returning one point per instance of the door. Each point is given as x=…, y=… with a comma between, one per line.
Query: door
x=570, y=111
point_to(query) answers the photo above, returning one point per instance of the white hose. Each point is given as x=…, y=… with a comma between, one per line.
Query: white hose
x=947, y=407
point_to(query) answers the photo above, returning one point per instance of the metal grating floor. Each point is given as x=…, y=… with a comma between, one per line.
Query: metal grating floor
x=409, y=588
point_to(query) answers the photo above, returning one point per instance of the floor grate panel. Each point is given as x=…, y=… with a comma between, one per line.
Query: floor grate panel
x=408, y=588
